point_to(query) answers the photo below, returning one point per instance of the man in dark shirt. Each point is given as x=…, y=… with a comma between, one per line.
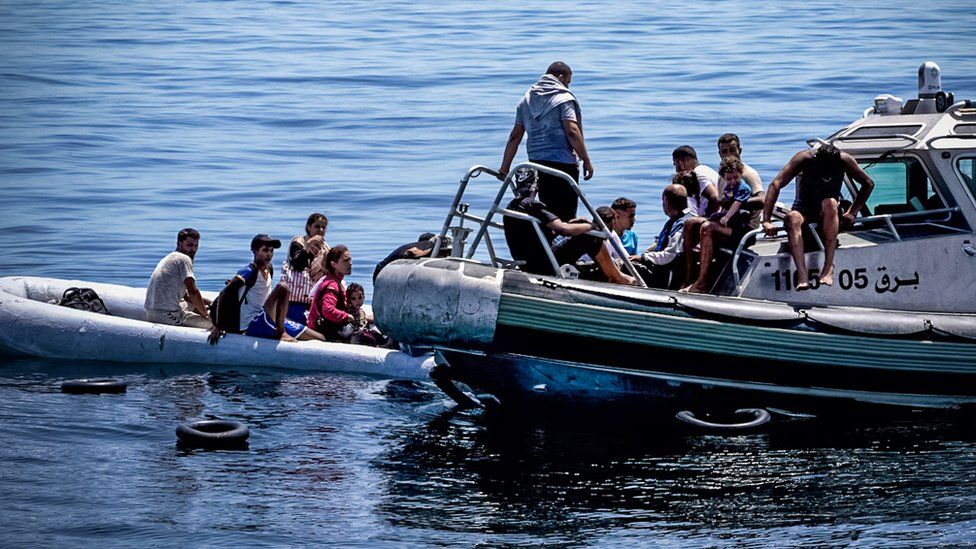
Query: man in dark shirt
x=820, y=175
x=523, y=240
x=414, y=250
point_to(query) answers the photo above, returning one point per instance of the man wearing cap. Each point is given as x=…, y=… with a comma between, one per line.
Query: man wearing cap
x=172, y=296
x=551, y=116
x=524, y=243
x=263, y=305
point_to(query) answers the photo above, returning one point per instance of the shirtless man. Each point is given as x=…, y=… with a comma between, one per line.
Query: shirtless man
x=820, y=175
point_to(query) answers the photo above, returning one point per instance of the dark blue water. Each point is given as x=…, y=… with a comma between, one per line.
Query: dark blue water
x=122, y=122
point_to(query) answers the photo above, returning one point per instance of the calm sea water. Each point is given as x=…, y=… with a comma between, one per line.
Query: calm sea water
x=122, y=122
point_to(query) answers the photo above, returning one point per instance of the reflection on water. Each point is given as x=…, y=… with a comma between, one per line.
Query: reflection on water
x=345, y=459
x=582, y=482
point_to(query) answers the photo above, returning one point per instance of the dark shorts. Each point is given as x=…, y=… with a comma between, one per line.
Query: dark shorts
x=557, y=195
x=812, y=211
x=570, y=250
x=264, y=327
x=298, y=312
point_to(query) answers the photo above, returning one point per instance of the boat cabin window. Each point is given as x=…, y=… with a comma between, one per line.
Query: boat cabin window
x=965, y=129
x=967, y=169
x=901, y=185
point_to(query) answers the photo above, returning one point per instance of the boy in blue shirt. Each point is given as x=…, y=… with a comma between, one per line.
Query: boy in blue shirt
x=624, y=217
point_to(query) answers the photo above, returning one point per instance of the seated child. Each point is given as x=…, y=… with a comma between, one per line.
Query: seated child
x=362, y=330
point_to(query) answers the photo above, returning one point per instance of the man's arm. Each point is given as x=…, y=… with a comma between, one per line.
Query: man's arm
x=710, y=192
x=781, y=180
x=571, y=229
x=675, y=246
x=575, y=136
x=514, y=140
x=194, y=298
x=857, y=174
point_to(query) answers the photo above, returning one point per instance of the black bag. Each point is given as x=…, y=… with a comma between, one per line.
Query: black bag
x=225, y=311
x=83, y=299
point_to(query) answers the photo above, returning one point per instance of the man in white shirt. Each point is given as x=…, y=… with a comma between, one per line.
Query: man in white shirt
x=172, y=296
x=730, y=145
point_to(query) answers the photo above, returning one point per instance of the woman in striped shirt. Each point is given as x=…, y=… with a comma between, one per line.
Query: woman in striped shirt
x=295, y=270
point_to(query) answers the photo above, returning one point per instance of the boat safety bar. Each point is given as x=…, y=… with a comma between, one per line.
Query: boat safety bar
x=959, y=136
x=458, y=210
x=912, y=140
x=887, y=219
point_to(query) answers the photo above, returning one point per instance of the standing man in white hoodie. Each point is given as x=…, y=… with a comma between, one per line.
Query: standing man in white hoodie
x=551, y=115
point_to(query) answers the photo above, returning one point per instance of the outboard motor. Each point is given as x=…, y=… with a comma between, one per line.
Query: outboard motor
x=931, y=98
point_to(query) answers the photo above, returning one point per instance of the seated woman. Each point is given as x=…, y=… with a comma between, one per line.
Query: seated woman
x=295, y=270
x=731, y=222
x=362, y=331
x=327, y=314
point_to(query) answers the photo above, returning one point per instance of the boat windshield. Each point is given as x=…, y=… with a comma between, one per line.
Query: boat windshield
x=901, y=185
x=905, y=203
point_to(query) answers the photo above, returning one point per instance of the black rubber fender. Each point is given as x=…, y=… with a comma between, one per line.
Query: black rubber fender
x=93, y=386
x=213, y=434
x=759, y=417
x=440, y=374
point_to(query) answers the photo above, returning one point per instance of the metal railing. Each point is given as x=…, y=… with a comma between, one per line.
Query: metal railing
x=459, y=211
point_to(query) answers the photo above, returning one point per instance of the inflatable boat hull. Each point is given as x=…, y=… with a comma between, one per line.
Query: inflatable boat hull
x=31, y=325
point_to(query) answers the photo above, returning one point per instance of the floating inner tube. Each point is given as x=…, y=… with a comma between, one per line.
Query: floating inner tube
x=759, y=417
x=93, y=386
x=214, y=433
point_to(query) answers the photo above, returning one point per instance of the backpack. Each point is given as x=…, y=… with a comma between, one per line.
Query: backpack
x=225, y=311
x=83, y=299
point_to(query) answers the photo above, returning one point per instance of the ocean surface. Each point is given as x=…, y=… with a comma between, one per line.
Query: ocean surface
x=123, y=122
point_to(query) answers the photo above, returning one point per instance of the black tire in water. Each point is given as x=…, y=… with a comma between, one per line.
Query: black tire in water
x=93, y=386
x=213, y=434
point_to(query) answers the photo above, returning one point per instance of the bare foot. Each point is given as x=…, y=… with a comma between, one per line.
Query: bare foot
x=693, y=289
x=288, y=338
x=626, y=280
x=801, y=286
x=827, y=279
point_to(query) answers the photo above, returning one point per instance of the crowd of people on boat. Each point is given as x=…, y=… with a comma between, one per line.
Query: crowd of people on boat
x=310, y=301
x=705, y=209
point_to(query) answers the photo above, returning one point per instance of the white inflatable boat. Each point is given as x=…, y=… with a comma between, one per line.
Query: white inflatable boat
x=32, y=324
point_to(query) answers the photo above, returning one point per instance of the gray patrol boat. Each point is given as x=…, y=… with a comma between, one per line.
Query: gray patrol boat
x=898, y=326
